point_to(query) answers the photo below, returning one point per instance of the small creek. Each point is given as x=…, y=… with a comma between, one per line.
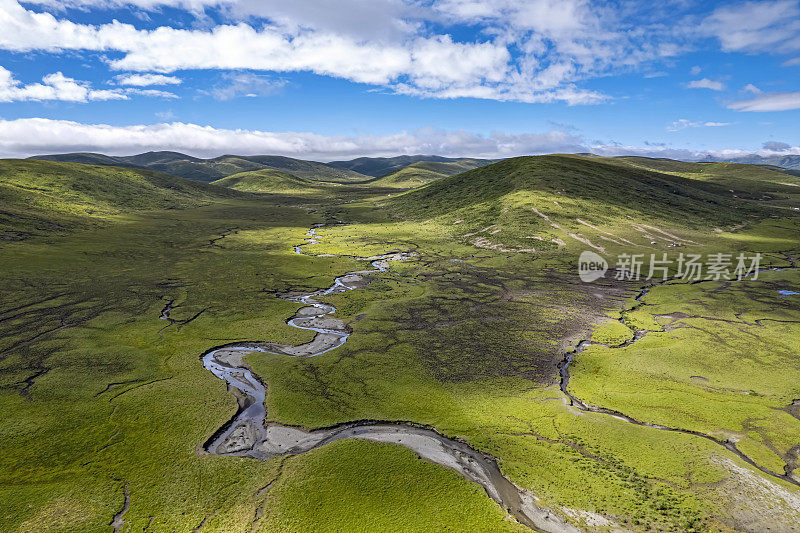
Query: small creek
x=248, y=435
x=576, y=402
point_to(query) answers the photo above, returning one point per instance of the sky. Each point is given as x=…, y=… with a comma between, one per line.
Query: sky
x=337, y=79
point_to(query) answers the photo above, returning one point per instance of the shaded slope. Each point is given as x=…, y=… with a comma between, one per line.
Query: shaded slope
x=42, y=196
x=301, y=168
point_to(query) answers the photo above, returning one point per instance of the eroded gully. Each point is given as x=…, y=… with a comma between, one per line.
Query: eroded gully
x=249, y=435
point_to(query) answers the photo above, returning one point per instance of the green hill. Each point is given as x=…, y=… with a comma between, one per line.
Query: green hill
x=423, y=172
x=790, y=162
x=381, y=166
x=42, y=196
x=547, y=202
x=266, y=181
x=748, y=181
x=208, y=170
x=86, y=158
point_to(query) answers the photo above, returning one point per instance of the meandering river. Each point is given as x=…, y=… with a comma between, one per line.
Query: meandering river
x=248, y=435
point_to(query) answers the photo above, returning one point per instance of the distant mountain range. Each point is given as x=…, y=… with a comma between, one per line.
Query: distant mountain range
x=382, y=166
x=414, y=169
x=208, y=170
x=791, y=162
x=186, y=166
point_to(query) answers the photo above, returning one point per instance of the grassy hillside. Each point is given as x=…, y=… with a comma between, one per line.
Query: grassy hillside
x=560, y=199
x=42, y=196
x=208, y=170
x=381, y=166
x=86, y=158
x=790, y=162
x=266, y=181
x=424, y=172
x=747, y=181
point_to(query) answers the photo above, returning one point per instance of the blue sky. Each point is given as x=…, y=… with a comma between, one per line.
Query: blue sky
x=338, y=79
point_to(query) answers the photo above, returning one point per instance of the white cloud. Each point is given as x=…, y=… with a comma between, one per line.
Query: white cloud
x=695, y=70
x=144, y=80
x=682, y=124
x=388, y=43
x=795, y=61
x=30, y=136
x=706, y=83
x=375, y=19
x=771, y=26
x=769, y=102
x=59, y=87
x=529, y=51
x=750, y=88
x=427, y=63
x=54, y=86
x=153, y=93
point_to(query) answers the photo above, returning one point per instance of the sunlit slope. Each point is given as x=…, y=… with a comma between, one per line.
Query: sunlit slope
x=267, y=181
x=43, y=196
x=423, y=172
x=550, y=202
x=382, y=166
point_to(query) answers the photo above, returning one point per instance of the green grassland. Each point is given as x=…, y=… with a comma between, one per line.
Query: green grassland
x=269, y=181
x=726, y=364
x=40, y=198
x=775, y=184
x=101, y=401
x=383, y=166
x=424, y=172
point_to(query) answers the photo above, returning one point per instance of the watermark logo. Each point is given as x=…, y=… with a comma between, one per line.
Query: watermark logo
x=690, y=267
x=591, y=266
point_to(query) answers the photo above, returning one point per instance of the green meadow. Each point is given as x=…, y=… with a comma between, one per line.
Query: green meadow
x=105, y=403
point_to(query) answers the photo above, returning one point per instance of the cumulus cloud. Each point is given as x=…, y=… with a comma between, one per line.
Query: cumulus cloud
x=771, y=26
x=534, y=51
x=375, y=19
x=527, y=51
x=427, y=63
x=54, y=86
x=144, y=80
x=682, y=124
x=769, y=102
x=706, y=83
x=695, y=70
x=750, y=88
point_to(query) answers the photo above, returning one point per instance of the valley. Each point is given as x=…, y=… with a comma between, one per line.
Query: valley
x=331, y=351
